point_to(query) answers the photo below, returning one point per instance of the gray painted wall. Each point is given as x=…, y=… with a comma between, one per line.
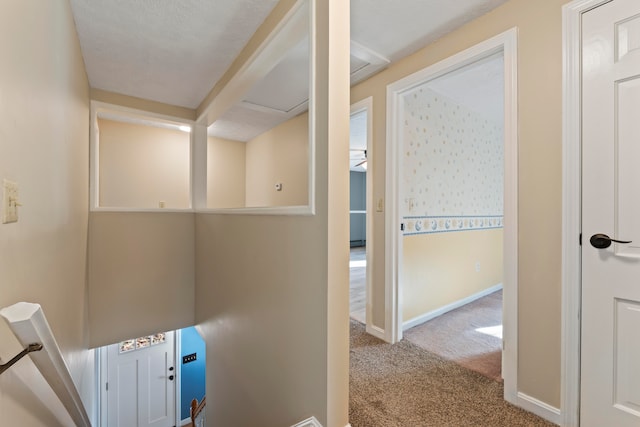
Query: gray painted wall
x=358, y=202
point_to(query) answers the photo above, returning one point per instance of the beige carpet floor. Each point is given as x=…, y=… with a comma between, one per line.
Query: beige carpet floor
x=466, y=335
x=403, y=385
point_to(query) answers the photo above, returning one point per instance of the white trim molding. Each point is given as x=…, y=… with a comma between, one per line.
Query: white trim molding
x=177, y=394
x=442, y=310
x=376, y=332
x=375, y=62
x=309, y=422
x=571, y=207
x=298, y=23
x=312, y=422
x=507, y=44
x=108, y=111
x=29, y=324
x=541, y=409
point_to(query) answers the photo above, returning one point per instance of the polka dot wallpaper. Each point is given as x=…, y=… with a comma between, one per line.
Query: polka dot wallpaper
x=453, y=165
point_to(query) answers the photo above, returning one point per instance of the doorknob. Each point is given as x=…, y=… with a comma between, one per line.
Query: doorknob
x=602, y=241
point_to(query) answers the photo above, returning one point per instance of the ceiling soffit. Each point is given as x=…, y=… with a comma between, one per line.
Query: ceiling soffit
x=164, y=50
x=174, y=52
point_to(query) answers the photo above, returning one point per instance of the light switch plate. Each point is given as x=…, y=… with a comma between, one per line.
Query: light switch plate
x=9, y=201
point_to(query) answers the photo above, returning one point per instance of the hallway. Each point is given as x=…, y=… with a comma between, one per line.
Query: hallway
x=358, y=284
x=403, y=385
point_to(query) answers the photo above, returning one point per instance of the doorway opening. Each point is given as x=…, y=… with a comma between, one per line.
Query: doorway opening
x=453, y=179
x=452, y=192
x=151, y=381
x=360, y=234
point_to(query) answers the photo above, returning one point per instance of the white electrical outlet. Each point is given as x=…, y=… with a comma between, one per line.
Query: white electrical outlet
x=9, y=202
x=478, y=266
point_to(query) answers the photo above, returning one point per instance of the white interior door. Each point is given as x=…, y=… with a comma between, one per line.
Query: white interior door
x=610, y=359
x=141, y=391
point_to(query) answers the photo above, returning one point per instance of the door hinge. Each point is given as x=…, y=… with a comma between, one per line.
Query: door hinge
x=106, y=386
x=402, y=226
x=580, y=239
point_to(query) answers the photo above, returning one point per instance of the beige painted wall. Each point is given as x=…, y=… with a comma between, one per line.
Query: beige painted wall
x=141, y=274
x=44, y=128
x=142, y=165
x=261, y=306
x=440, y=268
x=225, y=173
x=280, y=155
x=142, y=104
x=272, y=291
x=539, y=115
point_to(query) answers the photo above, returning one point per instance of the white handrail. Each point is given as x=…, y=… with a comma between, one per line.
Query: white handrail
x=28, y=323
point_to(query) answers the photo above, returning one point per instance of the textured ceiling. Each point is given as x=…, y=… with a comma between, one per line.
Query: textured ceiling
x=478, y=86
x=175, y=51
x=397, y=28
x=164, y=50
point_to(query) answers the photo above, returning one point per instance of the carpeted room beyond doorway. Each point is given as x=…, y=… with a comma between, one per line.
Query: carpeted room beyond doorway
x=470, y=335
x=403, y=385
x=445, y=372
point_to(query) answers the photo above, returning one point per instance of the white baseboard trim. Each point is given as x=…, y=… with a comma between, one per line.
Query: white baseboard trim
x=309, y=422
x=376, y=332
x=541, y=409
x=442, y=310
x=312, y=422
x=185, y=422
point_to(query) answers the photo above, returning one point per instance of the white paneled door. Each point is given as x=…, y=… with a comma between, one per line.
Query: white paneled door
x=141, y=378
x=610, y=361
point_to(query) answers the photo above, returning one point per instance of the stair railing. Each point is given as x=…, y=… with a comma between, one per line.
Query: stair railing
x=30, y=326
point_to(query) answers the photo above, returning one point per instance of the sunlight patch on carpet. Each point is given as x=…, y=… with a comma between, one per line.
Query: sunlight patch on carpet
x=494, y=331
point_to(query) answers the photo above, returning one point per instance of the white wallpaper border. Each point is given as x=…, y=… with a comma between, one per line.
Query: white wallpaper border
x=446, y=224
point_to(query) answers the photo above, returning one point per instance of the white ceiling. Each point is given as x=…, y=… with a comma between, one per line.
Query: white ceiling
x=478, y=86
x=282, y=94
x=397, y=28
x=164, y=50
x=175, y=51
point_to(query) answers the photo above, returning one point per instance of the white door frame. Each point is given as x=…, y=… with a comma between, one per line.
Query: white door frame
x=507, y=43
x=101, y=376
x=571, y=206
x=366, y=104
